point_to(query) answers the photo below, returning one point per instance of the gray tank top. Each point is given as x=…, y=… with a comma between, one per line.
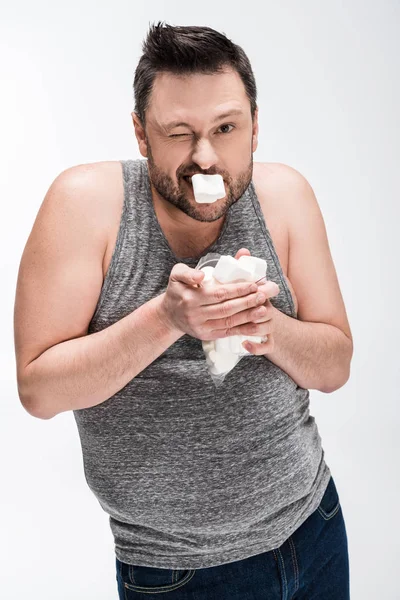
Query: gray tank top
x=191, y=475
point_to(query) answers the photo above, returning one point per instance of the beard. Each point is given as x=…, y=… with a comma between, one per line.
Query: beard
x=175, y=192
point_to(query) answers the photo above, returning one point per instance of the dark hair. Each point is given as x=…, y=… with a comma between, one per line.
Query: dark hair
x=186, y=50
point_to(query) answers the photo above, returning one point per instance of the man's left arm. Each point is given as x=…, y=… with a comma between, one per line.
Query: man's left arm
x=316, y=348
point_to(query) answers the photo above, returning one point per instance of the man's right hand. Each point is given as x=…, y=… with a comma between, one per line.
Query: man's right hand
x=209, y=312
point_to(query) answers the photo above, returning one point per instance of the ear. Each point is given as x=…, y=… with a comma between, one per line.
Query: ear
x=255, y=131
x=140, y=134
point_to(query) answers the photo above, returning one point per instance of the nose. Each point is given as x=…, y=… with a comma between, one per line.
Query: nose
x=204, y=154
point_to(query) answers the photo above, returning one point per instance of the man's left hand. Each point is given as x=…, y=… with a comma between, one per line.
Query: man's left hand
x=264, y=324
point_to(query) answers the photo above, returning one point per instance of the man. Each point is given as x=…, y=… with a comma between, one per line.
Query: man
x=211, y=493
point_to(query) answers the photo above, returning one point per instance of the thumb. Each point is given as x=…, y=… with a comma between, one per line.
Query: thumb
x=184, y=274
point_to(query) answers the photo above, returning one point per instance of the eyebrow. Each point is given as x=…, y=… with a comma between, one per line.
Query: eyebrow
x=236, y=111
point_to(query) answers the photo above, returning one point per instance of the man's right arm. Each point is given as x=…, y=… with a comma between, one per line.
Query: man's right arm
x=86, y=371
x=59, y=366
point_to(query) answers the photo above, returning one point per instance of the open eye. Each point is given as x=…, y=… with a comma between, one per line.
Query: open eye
x=227, y=125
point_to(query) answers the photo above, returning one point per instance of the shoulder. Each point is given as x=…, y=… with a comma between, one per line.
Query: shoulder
x=279, y=178
x=92, y=193
x=284, y=190
x=95, y=187
x=94, y=175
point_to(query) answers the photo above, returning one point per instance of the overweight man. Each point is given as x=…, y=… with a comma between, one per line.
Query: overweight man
x=212, y=493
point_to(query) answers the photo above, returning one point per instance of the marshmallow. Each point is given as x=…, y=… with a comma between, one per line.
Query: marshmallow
x=208, y=346
x=223, y=344
x=212, y=355
x=208, y=188
x=258, y=266
x=224, y=362
x=229, y=270
x=208, y=273
x=232, y=343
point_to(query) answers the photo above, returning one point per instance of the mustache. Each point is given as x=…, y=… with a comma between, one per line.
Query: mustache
x=198, y=173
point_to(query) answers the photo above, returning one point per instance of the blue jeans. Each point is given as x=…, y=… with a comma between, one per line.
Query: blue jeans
x=312, y=564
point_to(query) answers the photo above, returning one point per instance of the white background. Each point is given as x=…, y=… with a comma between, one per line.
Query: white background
x=328, y=81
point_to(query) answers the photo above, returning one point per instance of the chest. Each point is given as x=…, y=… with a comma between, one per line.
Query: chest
x=184, y=246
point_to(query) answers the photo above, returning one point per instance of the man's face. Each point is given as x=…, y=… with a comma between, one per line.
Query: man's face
x=198, y=124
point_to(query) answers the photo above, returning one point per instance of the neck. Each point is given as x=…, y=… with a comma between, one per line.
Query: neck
x=179, y=223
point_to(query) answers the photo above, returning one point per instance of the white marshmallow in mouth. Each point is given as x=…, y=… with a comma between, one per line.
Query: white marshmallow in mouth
x=208, y=188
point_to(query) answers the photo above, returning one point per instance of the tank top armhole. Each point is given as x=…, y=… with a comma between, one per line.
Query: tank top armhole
x=118, y=244
x=257, y=209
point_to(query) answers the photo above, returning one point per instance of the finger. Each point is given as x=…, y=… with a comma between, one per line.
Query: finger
x=221, y=310
x=269, y=288
x=184, y=274
x=261, y=329
x=214, y=295
x=224, y=328
x=242, y=252
x=232, y=324
x=262, y=348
